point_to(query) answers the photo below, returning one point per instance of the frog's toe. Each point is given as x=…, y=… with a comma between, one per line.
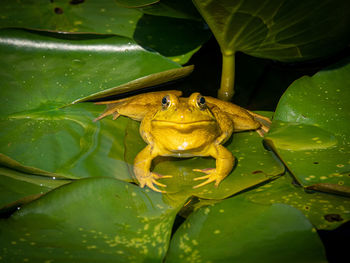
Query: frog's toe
x=158, y=176
x=151, y=186
x=201, y=177
x=158, y=183
x=150, y=182
x=208, y=181
x=206, y=171
x=211, y=176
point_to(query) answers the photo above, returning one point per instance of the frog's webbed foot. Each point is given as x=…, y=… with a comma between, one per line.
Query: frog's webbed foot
x=151, y=180
x=264, y=121
x=211, y=176
x=262, y=131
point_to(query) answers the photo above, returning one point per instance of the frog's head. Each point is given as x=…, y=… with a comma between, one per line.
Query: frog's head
x=184, y=113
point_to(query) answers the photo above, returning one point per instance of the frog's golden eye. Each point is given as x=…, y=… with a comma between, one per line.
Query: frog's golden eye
x=166, y=102
x=201, y=102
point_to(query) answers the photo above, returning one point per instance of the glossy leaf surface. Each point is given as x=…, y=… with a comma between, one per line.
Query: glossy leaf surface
x=311, y=130
x=324, y=211
x=136, y=3
x=254, y=166
x=174, y=37
x=279, y=29
x=177, y=9
x=238, y=231
x=41, y=75
x=18, y=188
x=90, y=220
x=65, y=142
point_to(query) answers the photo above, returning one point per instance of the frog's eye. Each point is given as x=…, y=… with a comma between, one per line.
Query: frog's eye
x=165, y=102
x=201, y=102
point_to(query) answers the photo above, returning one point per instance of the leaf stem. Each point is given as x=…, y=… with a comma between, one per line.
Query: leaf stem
x=226, y=90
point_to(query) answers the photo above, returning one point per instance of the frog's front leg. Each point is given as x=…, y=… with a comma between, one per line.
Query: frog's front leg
x=224, y=164
x=142, y=166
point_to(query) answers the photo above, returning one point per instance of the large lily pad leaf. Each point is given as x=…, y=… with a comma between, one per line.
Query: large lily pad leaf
x=281, y=30
x=311, y=130
x=65, y=142
x=108, y=17
x=238, y=231
x=48, y=71
x=18, y=188
x=41, y=74
x=136, y=3
x=176, y=9
x=90, y=220
x=324, y=211
x=255, y=165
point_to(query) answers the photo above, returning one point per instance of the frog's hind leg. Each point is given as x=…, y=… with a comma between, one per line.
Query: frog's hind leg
x=224, y=164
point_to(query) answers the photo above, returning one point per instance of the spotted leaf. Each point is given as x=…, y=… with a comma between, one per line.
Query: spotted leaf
x=311, y=130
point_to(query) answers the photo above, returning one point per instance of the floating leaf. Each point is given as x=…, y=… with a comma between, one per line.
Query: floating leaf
x=95, y=219
x=176, y=9
x=41, y=75
x=324, y=211
x=136, y=3
x=48, y=70
x=180, y=38
x=18, y=188
x=143, y=82
x=66, y=142
x=311, y=131
x=238, y=231
x=254, y=166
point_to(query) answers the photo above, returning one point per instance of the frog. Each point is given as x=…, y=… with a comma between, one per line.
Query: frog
x=181, y=127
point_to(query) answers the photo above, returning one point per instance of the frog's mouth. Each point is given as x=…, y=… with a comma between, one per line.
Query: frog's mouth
x=182, y=126
x=172, y=123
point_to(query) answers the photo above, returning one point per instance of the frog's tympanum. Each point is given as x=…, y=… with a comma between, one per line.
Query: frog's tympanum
x=183, y=127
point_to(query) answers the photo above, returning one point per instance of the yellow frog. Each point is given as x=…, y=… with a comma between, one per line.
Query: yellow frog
x=183, y=127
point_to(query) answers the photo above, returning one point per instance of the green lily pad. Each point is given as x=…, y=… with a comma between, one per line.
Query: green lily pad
x=18, y=188
x=177, y=9
x=324, y=211
x=238, y=231
x=311, y=130
x=108, y=17
x=255, y=165
x=65, y=142
x=90, y=220
x=280, y=30
x=43, y=74
x=49, y=71
x=136, y=3
x=143, y=82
